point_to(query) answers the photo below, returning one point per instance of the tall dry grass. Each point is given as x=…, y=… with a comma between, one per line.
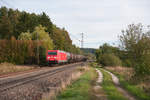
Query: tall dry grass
x=6, y=68
x=126, y=72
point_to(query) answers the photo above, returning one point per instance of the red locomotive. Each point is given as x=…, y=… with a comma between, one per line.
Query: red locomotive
x=60, y=57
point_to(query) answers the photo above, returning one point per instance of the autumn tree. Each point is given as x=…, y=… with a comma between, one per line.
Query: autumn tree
x=107, y=55
x=58, y=38
x=45, y=21
x=136, y=42
x=6, y=27
x=25, y=36
x=40, y=34
x=33, y=32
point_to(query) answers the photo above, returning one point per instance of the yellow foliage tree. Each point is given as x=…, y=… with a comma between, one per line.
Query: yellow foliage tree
x=40, y=34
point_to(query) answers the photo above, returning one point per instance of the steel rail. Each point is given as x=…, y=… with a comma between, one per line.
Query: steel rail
x=18, y=82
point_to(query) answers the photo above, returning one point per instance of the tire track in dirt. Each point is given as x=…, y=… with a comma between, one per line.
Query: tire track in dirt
x=97, y=89
x=120, y=89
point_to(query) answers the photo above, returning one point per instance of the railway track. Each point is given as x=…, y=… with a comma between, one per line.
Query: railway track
x=7, y=84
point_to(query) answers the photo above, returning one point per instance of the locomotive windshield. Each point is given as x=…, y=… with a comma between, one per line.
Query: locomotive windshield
x=52, y=53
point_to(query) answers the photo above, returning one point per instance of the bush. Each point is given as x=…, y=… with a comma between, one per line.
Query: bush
x=93, y=64
x=142, y=67
x=127, y=63
x=110, y=60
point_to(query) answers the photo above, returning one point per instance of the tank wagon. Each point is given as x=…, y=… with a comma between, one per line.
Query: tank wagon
x=61, y=57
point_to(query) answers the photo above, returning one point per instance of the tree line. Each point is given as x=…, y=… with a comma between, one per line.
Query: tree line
x=133, y=51
x=21, y=33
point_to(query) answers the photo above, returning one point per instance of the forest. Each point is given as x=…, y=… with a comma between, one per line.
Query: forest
x=25, y=37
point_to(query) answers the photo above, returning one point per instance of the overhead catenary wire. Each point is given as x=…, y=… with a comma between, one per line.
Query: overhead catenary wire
x=82, y=38
x=85, y=43
x=75, y=37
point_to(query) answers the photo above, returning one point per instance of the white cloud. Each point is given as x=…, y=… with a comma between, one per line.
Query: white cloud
x=100, y=20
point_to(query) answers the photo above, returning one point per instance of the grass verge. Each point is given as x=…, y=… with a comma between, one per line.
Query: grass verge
x=133, y=89
x=80, y=89
x=109, y=88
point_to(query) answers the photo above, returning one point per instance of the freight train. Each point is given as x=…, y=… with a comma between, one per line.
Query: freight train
x=62, y=57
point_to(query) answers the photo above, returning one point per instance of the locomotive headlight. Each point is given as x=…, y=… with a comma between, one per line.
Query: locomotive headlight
x=55, y=57
x=48, y=57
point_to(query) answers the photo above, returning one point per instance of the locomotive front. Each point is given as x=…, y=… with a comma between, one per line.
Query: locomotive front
x=52, y=56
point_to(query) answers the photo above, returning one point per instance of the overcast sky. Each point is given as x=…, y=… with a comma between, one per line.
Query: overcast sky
x=100, y=20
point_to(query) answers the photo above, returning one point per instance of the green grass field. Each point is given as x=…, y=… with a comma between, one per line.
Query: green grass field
x=80, y=89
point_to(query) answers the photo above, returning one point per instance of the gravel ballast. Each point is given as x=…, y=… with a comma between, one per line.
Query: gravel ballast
x=37, y=89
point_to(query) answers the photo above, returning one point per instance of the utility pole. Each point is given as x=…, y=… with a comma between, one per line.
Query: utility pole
x=82, y=36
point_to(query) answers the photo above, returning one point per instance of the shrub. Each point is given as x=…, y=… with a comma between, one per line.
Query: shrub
x=127, y=63
x=93, y=64
x=110, y=60
x=142, y=67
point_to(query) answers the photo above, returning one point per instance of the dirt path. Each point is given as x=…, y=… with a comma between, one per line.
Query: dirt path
x=100, y=76
x=120, y=89
x=97, y=89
